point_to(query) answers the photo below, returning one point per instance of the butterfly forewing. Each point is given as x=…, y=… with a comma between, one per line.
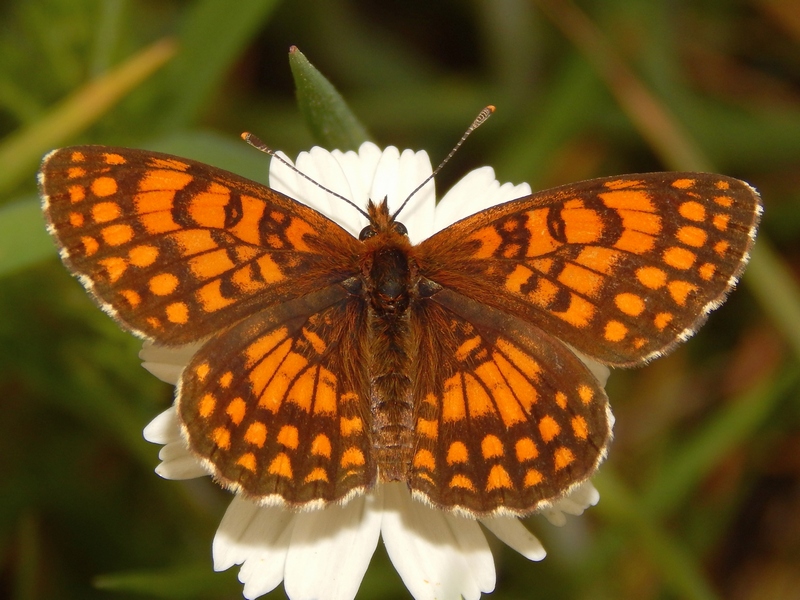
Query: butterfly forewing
x=178, y=250
x=622, y=268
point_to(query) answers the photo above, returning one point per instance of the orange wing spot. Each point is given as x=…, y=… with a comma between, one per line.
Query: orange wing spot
x=325, y=400
x=264, y=345
x=317, y=474
x=321, y=446
x=75, y=172
x=462, y=481
x=489, y=239
x=525, y=393
x=143, y=256
x=706, y=271
x=207, y=208
x=316, y=342
x=243, y=279
x=296, y=232
x=467, y=347
x=236, y=410
x=523, y=361
x=115, y=267
x=585, y=393
x=248, y=227
x=683, y=184
x=349, y=426
x=102, y=212
x=76, y=193
x=273, y=395
x=579, y=427
x=639, y=343
x=498, y=479
x=651, y=277
x=581, y=280
x=104, y=186
x=302, y=391
x=548, y=428
x=429, y=429
x=721, y=222
x=221, y=437
x=680, y=258
x=561, y=400
x=693, y=211
x=615, y=331
x=274, y=241
x=491, y=447
x=581, y=225
x=177, y=312
x=721, y=248
x=532, y=478
x=211, y=264
x=423, y=459
x=289, y=436
x=621, y=184
x=193, y=241
x=630, y=304
x=642, y=222
x=599, y=259
x=111, y=158
x=725, y=201
x=526, y=449
x=116, y=235
x=161, y=180
x=692, y=236
x=163, y=284
x=628, y=200
x=167, y=163
x=543, y=265
x=77, y=156
x=453, y=402
x=226, y=379
x=722, y=185
x=635, y=242
x=263, y=371
x=457, y=453
x=510, y=410
x=352, y=457
x=269, y=269
x=153, y=201
x=579, y=313
x=248, y=461
x=479, y=403
x=680, y=290
x=663, y=319
x=281, y=466
x=541, y=242
x=544, y=293
x=131, y=297
x=211, y=298
x=154, y=322
x=563, y=457
x=157, y=223
x=206, y=405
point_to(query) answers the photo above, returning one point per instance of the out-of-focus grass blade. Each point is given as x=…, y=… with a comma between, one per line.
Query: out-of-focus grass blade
x=20, y=151
x=23, y=239
x=331, y=121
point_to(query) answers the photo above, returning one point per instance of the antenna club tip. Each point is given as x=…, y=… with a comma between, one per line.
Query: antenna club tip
x=245, y=135
x=491, y=108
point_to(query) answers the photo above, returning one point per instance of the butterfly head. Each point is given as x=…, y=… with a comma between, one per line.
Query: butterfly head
x=381, y=222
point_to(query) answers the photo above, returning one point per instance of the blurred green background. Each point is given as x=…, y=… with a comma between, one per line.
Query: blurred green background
x=700, y=495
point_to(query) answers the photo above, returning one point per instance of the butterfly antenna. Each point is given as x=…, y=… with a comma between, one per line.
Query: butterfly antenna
x=479, y=120
x=256, y=143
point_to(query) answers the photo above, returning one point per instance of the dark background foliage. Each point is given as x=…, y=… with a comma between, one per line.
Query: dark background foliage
x=700, y=495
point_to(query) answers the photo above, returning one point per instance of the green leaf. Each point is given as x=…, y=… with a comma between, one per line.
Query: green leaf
x=331, y=121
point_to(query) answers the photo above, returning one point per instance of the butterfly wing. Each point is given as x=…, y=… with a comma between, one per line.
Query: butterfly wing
x=275, y=405
x=508, y=419
x=621, y=268
x=176, y=249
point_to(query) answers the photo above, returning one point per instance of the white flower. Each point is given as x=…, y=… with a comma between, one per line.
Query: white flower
x=323, y=554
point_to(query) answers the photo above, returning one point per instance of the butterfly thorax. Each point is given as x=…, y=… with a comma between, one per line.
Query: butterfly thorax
x=388, y=281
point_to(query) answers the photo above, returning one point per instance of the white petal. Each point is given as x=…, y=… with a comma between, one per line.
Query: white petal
x=577, y=501
x=330, y=550
x=515, y=535
x=167, y=363
x=436, y=554
x=164, y=429
x=178, y=463
x=256, y=538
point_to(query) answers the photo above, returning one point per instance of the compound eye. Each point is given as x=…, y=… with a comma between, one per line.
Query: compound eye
x=366, y=233
x=400, y=228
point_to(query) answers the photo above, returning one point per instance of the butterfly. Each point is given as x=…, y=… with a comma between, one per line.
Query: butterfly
x=332, y=362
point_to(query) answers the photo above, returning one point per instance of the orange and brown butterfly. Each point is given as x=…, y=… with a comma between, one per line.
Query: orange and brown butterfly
x=331, y=362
